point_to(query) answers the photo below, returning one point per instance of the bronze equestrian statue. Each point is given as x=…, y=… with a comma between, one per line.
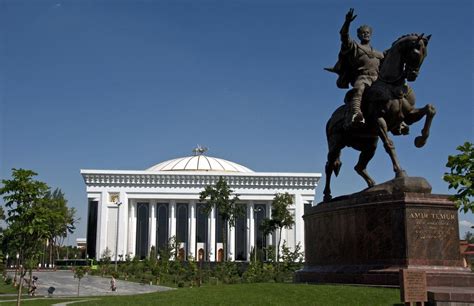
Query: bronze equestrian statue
x=387, y=105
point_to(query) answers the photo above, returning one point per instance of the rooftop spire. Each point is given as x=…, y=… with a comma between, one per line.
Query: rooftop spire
x=199, y=150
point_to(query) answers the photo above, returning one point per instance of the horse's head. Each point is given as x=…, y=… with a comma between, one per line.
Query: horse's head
x=403, y=60
x=415, y=51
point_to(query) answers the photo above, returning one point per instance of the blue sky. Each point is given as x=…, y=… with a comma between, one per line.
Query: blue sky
x=128, y=84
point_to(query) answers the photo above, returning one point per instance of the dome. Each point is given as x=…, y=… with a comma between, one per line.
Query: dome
x=199, y=163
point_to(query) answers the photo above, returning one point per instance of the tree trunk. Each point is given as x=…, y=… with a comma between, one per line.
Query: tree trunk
x=50, y=254
x=78, y=286
x=55, y=247
x=278, y=247
x=31, y=278
x=18, y=297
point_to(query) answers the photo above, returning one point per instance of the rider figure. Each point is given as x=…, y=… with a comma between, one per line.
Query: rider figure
x=358, y=65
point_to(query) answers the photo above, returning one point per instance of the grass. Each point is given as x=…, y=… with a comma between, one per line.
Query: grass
x=250, y=294
x=4, y=288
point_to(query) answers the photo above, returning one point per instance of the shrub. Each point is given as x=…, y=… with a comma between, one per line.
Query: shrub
x=105, y=261
x=290, y=262
x=192, y=273
x=176, y=272
x=254, y=272
x=146, y=278
x=8, y=280
x=228, y=272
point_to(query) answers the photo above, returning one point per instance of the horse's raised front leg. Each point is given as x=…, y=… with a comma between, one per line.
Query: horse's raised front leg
x=389, y=147
x=416, y=115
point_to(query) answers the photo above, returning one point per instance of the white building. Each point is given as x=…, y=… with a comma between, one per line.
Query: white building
x=163, y=201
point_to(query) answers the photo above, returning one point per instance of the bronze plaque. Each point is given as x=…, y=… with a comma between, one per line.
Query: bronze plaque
x=413, y=286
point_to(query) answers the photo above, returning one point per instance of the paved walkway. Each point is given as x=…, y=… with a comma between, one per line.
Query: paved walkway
x=66, y=285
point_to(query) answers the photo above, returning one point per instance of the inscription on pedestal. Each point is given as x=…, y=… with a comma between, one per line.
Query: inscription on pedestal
x=432, y=225
x=413, y=286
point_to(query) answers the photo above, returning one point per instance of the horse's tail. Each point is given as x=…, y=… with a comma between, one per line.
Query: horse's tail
x=334, y=135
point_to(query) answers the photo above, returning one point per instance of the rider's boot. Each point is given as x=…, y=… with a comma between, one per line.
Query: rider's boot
x=355, y=116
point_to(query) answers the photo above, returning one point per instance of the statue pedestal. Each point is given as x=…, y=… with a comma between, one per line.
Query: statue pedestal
x=366, y=238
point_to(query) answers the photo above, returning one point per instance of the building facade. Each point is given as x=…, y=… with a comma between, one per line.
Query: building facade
x=131, y=211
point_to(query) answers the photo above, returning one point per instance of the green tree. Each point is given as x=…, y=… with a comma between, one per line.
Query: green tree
x=461, y=177
x=152, y=257
x=220, y=198
x=2, y=217
x=79, y=274
x=166, y=253
x=281, y=218
x=61, y=220
x=27, y=226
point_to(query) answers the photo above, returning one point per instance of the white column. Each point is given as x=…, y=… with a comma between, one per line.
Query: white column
x=271, y=238
x=172, y=225
x=132, y=234
x=123, y=225
x=212, y=235
x=192, y=229
x=102, y=224
x=231, y=242
x=299, y=224
x=152, y=224
x=251, y=228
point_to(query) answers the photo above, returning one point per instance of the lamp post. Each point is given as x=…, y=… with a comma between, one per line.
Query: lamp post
x=255, y=230
x=117, y=235
x=6, y=264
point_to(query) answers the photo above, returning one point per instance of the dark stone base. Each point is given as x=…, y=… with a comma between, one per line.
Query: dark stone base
x=366, y=238
x=387, y=278
x=451, y=296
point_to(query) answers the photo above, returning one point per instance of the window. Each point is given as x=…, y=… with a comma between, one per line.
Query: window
x=161, y=225
x=142, y=230
x=182, y=223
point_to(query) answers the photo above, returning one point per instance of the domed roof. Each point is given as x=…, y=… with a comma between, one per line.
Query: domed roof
x=199, y=162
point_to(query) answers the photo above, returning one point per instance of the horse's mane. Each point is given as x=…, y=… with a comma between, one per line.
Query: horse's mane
x=404, y=37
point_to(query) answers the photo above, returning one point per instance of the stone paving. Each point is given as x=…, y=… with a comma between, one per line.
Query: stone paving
x=66, y=285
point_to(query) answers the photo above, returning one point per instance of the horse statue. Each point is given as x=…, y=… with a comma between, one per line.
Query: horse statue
x=388, y=105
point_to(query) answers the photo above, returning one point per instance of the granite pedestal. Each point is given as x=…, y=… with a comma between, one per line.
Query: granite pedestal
x=366, y=238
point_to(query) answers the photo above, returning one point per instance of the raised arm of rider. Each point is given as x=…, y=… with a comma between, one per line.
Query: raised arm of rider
x=345, y=38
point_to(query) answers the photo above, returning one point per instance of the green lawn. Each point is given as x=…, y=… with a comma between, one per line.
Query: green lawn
x=4, y=288
x=252, y=294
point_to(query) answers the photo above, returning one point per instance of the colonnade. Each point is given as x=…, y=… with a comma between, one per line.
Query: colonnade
x=196, y=240
x=132, y=225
